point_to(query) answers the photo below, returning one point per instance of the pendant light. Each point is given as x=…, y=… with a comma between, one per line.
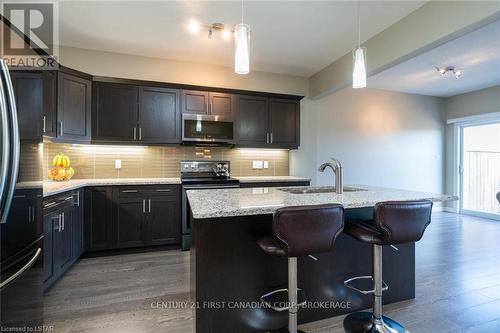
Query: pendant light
x=242, y=46
x=359, y=57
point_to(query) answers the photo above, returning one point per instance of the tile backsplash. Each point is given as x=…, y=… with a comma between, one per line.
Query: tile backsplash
x=98, y=161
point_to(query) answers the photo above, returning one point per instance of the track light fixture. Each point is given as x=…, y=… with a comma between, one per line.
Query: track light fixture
x=449, y=69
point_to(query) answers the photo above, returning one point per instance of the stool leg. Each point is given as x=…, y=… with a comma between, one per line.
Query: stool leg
x=292, y=295
x=292, y=299
x=377, y=281
x=364, y=322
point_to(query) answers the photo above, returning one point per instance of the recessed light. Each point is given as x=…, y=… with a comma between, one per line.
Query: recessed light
x=226, y=34
x=194, y=26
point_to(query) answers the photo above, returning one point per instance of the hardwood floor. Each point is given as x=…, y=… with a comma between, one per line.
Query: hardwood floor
x=457, y=287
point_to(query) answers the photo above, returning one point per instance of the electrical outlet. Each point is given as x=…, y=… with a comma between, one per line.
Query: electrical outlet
x=118, y=164
x=257, y=164
x=266, y=164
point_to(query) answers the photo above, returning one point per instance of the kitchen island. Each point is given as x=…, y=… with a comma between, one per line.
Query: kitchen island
x=229, y=272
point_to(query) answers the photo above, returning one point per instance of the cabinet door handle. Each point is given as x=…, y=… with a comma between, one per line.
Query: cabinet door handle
x=29, y=214
x=135, y=133
x=62, y=220
x=149, y=205
x=140, y=133
x=77, y=204
x=144, y=205
x=129, y=191
x=60, y=128
x=44, y=126
x=271, y=137
x=33, y=215
x=59, y=224
x=164, y=190
x=267, y=137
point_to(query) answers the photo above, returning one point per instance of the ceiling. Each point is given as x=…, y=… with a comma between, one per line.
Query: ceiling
x=288, y=37
x=477, y=54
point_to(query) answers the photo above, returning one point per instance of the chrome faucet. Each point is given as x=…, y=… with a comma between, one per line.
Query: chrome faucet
x=337, y=170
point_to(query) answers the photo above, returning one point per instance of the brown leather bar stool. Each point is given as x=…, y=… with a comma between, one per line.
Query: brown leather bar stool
x=394, y=222
x=300, y=231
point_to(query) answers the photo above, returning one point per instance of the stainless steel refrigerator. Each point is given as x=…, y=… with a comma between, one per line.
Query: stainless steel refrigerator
x=21, y=195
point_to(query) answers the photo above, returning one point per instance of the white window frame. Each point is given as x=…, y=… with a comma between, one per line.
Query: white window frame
x=458, y=128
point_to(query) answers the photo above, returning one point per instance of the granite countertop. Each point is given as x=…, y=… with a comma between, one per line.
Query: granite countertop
x=271, y=179
x=51, y=187
x=257, y=201
x=29, y=185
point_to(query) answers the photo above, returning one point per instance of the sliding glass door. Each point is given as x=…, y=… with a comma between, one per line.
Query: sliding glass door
x=480, y=170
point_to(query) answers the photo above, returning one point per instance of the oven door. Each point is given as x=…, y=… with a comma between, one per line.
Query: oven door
x=186, y=210
x=205, y=128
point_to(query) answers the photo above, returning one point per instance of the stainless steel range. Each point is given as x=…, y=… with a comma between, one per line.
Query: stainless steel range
x=199, y=175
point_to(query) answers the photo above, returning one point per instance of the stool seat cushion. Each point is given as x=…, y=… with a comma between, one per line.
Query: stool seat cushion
x=394, y=222
x=272, y=246
x=364, y=231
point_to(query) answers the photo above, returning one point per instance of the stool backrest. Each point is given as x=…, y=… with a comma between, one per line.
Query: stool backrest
x=402, y=221
x=308, y=229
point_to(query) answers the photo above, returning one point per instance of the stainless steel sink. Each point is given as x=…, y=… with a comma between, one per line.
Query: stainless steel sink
x=309, y=190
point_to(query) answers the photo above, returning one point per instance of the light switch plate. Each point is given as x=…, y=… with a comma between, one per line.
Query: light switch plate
x=266, y=164
x=118, y=164
x=257, y=164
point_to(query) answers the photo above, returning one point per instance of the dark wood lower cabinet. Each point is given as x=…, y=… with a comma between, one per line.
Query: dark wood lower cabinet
x=107, y=218
x=147, y=215
x=98, y=219
x=129, y=222
x=163, y=222
x=63, y=237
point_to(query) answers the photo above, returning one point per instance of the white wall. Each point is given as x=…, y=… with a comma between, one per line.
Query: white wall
x=127, y=66
x=382, y=138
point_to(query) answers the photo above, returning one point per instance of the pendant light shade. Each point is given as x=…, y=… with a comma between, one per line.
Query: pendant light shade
x=359, y=59
x=242, y=49
x=359, y=72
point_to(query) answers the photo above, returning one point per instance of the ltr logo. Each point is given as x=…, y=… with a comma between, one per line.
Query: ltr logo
x=36, y=21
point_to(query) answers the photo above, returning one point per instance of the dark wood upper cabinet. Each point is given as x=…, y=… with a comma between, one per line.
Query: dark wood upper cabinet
x=28, y=91
x=115, y=112
x=49, y=125
x=73, y=107
x=159, y=115
x=221, y=104
x=252, y=121
x=267, y=122
x=284, y=123
x=194, y=102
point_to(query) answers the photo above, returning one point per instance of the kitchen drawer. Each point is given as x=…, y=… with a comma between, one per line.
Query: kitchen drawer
x=55, y=203
x=147, y=190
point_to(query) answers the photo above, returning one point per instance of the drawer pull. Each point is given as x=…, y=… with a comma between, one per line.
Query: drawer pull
x=130, y=191
x=164, y=190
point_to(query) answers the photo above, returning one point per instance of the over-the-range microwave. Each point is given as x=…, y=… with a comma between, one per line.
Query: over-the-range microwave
x=207, y=129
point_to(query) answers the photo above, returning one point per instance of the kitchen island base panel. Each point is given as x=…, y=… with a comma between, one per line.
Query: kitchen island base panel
x=229, y=274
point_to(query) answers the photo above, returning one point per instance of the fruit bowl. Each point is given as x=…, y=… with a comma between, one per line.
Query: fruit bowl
x=61, y=169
